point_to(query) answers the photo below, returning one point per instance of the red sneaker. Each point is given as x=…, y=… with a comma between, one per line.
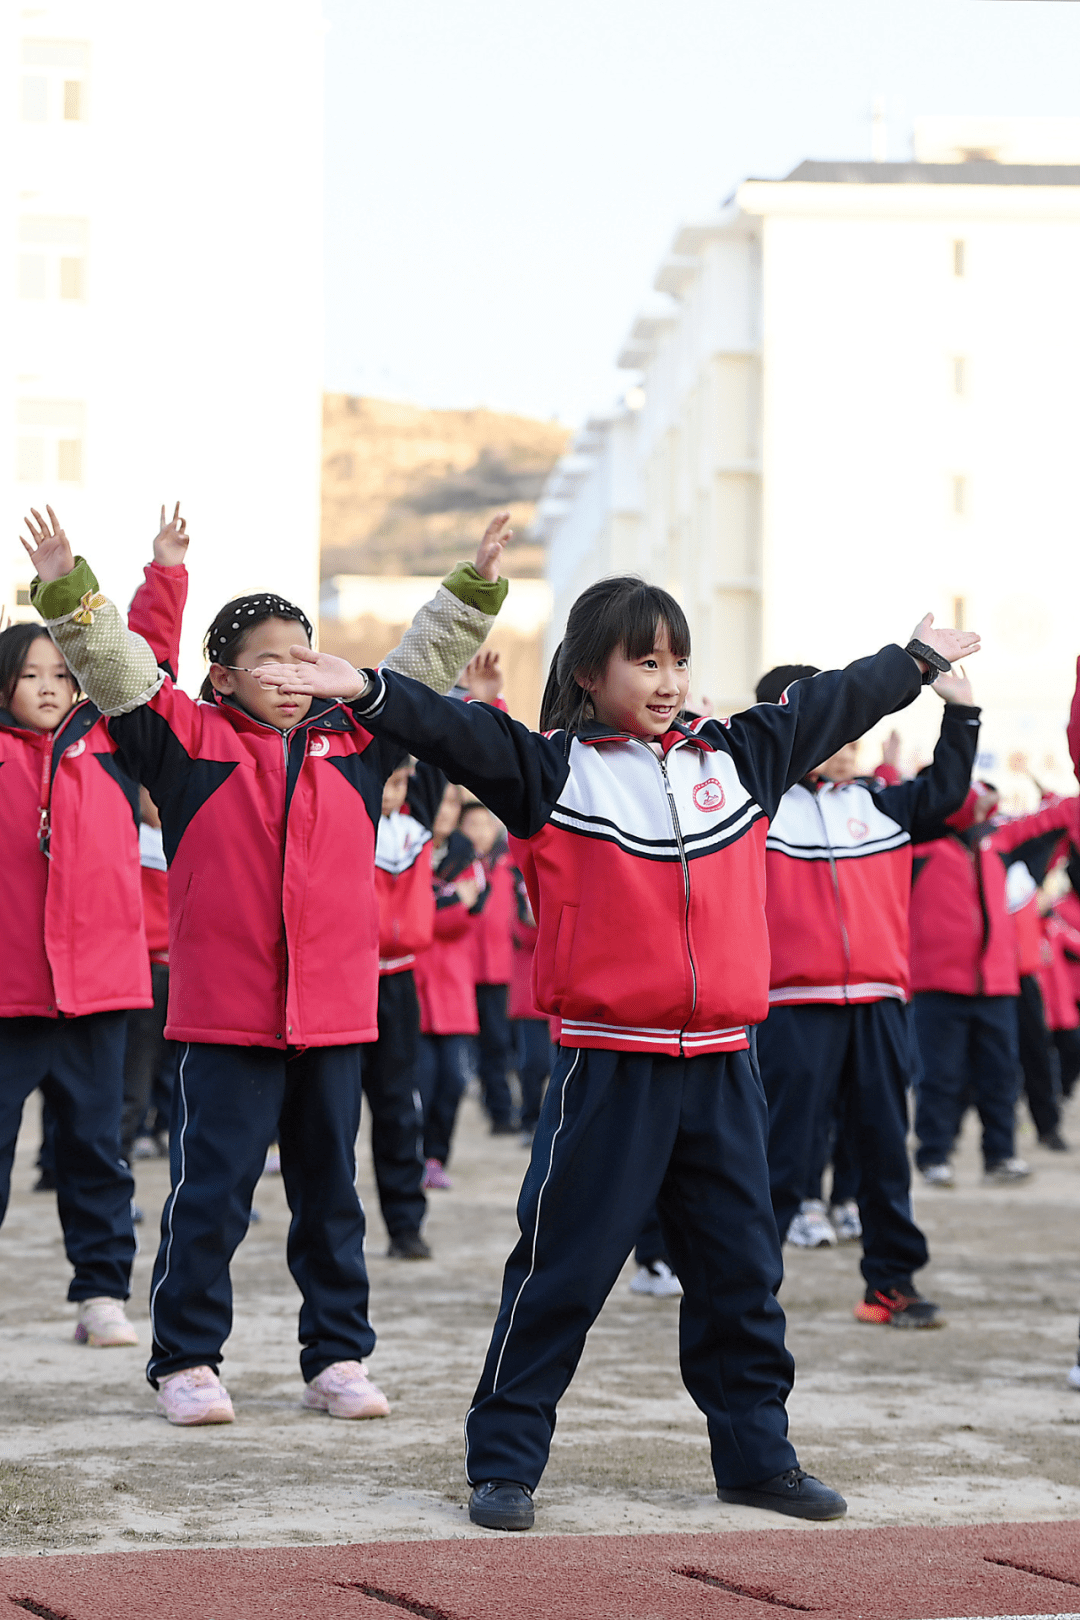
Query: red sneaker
x=902, y=1307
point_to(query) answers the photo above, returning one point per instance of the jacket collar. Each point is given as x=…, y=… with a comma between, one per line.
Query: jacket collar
x=324, y=714
x=75, y=724
x=591, y=732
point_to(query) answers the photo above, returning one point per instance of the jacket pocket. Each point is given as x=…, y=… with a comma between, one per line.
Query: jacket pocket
x=564, y=948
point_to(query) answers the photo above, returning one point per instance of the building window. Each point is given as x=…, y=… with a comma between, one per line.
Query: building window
x=73, y=100
x=71, y=278
x=69, y=460
x=959, y=496
x=958, y=256
x=959, y=613
x=30, y=460
x=31, y=275
x=35, y=99
x=959, y=375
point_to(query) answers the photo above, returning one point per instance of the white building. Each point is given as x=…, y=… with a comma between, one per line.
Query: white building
x=858, y=402
x=161, y=237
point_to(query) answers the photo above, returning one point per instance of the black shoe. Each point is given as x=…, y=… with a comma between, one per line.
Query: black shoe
x=408, y=1246
x=46, y=1182
x=503, y=1127
x=795, y=1493
x=1054, y=1141
x=901, y=1306
x=500, y=1504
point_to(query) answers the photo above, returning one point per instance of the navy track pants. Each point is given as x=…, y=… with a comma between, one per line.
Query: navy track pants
x=79, y=1065
x=814, y=1058
x=229, y=1104
x=966, y=1042
x=617, y=1132
x=397, y=1114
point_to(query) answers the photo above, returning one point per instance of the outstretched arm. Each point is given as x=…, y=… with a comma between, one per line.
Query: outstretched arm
x=923, y=804
x=777, y=744
x=447, y=631
x=157, y=608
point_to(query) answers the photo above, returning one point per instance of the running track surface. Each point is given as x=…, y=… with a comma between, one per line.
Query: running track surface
x=834, y=1573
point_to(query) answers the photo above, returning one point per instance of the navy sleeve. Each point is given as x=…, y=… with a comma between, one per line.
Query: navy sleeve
x=922, y=805
x=516, y=772
x=775, y=744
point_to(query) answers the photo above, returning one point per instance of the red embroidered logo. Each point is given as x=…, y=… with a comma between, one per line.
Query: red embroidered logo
x=857, y=829
x=709, y=795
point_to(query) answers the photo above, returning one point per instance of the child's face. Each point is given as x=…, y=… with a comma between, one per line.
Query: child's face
x=481, y=828
x=268, y=643
x=843, y=766
x=641, y=696
x=396, y=789
x=45, y=690
x=447, y=815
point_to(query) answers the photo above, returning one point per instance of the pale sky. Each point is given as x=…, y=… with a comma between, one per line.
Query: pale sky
x=503, y=177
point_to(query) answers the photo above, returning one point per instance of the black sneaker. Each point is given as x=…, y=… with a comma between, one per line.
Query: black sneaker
x=504, y=1127
x=408, y=1246
x=502, y=1504
x=799, y=1495
x=1054, y=1141
x=901, y=1306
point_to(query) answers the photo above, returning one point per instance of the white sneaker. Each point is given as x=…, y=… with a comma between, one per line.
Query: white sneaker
x=272, y=1167
x=102, y=1324
x=811, y=1227
x=845, y=1221
x=939, y=1175
x=657, y=1279
x=1006, y=1171
x=1074, y=1376
x=194, y=1396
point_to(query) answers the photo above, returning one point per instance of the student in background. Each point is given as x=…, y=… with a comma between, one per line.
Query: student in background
x=493, y=964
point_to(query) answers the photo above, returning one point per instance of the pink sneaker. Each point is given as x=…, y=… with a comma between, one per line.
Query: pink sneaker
x=435, y=1175
x=345, y=1391
x=195, y=1395
x=102, y=1324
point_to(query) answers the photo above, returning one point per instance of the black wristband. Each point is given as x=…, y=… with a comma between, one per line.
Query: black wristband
x=938, y=665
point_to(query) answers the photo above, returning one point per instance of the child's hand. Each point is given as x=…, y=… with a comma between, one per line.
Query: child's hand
x=483, y=677
x=51, y=553
x=171, y=540
x=890, y=753
x=490, y=550
x=954, y=688
x=315, y=674
x=951, y=644
x=468, y=891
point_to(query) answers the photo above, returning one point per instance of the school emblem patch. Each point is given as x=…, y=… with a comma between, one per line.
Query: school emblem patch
x=319, y=747
x=709, y=795
x=77, y=748
x=857, y=829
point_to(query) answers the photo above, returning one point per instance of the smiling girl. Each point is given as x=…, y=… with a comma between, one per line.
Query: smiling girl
x=642, y=843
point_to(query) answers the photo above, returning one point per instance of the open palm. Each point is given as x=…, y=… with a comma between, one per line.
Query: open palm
x=50, y=552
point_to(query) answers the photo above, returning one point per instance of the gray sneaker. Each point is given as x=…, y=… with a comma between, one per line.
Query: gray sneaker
x=938, y=1175
x=1006, y=1171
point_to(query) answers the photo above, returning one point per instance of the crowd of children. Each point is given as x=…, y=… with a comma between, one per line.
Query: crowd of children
x=694, y=965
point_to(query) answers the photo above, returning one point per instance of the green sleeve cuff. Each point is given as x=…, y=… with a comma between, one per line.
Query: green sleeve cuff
x=62, y=596
x=474, y=590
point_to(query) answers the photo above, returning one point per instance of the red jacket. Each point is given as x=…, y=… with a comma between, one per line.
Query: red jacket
x=493, y=951
x=403, y=888
x=1068, y=909
x=963, y=938
x=523, y=934
x=646, y=875
x=838, y=863
x=73, y=940
x=445, y=985
x=1062, y=954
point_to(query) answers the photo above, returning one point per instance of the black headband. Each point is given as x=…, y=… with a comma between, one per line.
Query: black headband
x=254, y=608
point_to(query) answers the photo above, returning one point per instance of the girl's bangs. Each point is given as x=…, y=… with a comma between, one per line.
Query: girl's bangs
x=645, y=612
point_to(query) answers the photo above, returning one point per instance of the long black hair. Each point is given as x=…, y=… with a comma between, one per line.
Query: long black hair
x=621, y=613
x=15, y=644
x=224, y=640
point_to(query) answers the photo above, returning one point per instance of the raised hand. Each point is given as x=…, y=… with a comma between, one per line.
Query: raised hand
x=489, y=552
x=890, y=753
x=315, y=674
x=171, y=540
x=50, y=554
x=951, y=644
x=483, y=676
x=954, y=688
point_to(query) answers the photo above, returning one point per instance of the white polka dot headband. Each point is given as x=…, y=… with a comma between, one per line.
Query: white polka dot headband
x=245, y=613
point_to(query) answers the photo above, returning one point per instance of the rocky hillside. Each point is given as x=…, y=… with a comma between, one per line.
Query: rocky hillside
x=409, y=491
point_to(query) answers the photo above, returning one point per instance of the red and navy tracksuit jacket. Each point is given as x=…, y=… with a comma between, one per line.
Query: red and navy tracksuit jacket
x=403, y=889
x=838, y=859
x=445, y=974
x=646, y=874
x=73, y=940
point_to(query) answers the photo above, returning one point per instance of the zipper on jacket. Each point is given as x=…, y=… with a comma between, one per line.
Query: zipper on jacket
x=844, y=940
x=662, y=762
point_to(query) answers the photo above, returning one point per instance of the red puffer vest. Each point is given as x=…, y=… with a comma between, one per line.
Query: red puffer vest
x=74, y=940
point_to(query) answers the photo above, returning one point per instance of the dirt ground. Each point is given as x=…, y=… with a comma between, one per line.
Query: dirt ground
x=971, y=1423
